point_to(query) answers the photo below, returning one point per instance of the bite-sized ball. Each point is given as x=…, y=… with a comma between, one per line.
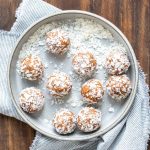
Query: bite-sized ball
x=118, y=87
x=30, y=68
x=117, y=63
x=64, y=121
x=92, y=91
x=31, y=100
x=89, y=119
x=57, y=41
x=84, y=63
x=59, y=84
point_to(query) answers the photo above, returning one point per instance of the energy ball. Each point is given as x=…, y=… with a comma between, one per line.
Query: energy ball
x=31, y=100
x=92, y=91
x=59, y=84
x=118, y=87
x=57, y=41
x=30, y=68
x=64, y=121
x=84, y=63
x=117, y=63
x=89, y=119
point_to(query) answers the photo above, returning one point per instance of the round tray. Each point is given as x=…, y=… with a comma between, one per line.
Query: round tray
x=37, y=121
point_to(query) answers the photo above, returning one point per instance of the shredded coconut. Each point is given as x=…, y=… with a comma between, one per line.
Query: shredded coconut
x=118, y=87
x=59, y=84
x=92, y=91
x=83, y=34
x=89, y=119
x=31, y=100
x=64, y=121
x=84, y=63
x=117, y=63
x=57, y=41
x=30, y=67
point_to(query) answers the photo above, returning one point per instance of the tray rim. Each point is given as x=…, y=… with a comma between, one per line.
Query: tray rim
x=96, y=134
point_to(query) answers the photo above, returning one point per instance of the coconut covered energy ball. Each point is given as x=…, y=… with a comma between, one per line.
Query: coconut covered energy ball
x=84, y=63
x=118, y=87
x=64, y=121
x=89, y=119
x=59, y=84
x=30, y=68
x=31, y=100
x=92, y=91
x=57, y=41
x=117, y=63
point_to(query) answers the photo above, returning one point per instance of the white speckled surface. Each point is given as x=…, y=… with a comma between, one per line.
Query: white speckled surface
x=90, y=35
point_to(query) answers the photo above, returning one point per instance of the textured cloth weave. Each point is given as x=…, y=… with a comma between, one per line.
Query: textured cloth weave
x=130, y=134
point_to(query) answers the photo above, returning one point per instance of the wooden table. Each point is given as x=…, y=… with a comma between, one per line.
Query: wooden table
x=131, y=16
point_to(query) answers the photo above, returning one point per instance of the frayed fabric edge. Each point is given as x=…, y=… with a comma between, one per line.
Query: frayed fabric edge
x=146, y=129
x=19, y=13
x=35, y=141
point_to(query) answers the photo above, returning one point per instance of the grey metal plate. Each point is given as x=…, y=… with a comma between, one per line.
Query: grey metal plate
x=37, y=121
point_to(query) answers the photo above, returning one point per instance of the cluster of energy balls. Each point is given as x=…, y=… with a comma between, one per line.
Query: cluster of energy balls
x=59, y=84
x=118, y=85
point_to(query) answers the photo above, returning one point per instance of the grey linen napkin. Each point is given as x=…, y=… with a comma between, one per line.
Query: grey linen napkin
x=131, y=133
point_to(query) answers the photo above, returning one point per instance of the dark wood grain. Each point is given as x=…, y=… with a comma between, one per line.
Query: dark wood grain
x=14, y=135
x=131, y=16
